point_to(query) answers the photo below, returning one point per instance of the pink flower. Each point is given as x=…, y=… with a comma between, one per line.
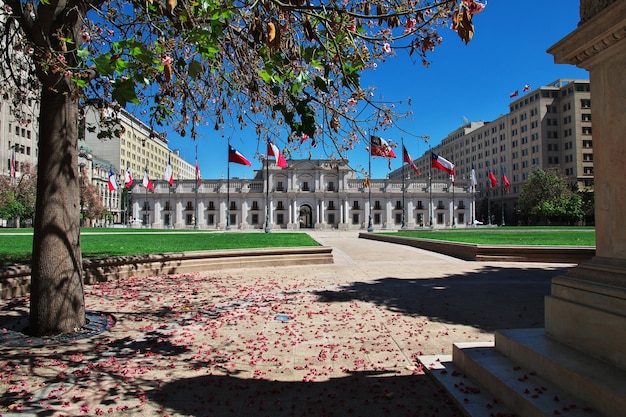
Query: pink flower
x=68, y=73
x=166, y=60
x=61, y=57
x=386, y=47
x=352, y=101
x=85, y=37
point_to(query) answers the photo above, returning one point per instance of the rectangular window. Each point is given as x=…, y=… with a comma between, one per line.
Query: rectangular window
x=420, y=205
x=255, y=218
x=355, y=204
x=305, y=186
x=210, y=219
x=331, y=186
x=233, y=220
x=398, y=218
x=331, y=205
x=440, y=218
x=331, y=218
x=376, y=218
x=355, y=218
x=398, y=205
x=255, y=205
x=280, y=218
x=377, y=205
x=189, y=205
x=279, y=206
x=233, y=205
x=189, y=219
x=279, y=186
x=211, y=205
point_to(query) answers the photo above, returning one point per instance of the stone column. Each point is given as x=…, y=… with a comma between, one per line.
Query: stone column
x=587, y=306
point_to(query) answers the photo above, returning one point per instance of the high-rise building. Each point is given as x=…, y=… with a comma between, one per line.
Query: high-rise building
x=548, y=127
x=117, y=136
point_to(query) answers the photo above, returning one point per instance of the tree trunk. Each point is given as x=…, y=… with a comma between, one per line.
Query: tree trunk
x=57, y=303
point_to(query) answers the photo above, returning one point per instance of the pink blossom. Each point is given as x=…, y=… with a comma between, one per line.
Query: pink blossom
x=85, y=37
x=68, y=73
x=166, y=60
x=61, y=57
x=352, y=101
x=386, y=47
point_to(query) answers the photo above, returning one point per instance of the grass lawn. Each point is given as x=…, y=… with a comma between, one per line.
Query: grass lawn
x=548, y=236
x=16, y=245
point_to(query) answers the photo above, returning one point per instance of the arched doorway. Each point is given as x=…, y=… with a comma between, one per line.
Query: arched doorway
x=306, y=217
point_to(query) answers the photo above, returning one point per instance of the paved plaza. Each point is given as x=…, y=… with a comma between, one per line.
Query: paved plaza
x=316, y=340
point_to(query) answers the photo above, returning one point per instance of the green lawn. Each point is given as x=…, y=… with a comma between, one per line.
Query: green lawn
x=552, y=236
x=16, y=245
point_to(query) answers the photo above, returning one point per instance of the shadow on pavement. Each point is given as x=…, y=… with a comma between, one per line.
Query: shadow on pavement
x=493, y=298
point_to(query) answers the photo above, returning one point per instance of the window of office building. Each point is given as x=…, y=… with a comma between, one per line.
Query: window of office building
x=376, y=218
x=355, y=218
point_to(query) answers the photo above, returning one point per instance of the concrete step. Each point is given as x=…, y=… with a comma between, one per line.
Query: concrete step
x=485, y=383
x=471, y=397
x=596, y=382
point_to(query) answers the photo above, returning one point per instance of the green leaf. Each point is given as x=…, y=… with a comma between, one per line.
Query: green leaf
x=321, y=83
x=124, y=92
x=195, y=69
x=103, y=64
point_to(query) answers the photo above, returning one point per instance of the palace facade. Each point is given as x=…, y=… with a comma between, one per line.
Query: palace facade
x=308, y=194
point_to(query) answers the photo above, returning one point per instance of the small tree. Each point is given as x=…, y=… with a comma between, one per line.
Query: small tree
x=90, y=202
x=17, y=195
x=548, y=197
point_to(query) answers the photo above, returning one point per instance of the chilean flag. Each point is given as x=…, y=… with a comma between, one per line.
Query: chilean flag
x=235, y=156
x=441, y=163
x=112, y=180
x=146, y=181
x=492, y=179
x=380, y=147
x=407, y=158
x=169, y=173
x=128, y=178
x=272, y=150
x=505, y=181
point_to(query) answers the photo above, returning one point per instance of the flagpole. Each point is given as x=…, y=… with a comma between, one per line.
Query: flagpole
x=147, y=206
x=453, y=181
x=228, y=193
x=502, y=199
x=370, y=226
x=195, y=223
x=268, y=227
x=473, y=202
x=430, y=189
x=489, y=203
x=403, y=192
x=169, y=202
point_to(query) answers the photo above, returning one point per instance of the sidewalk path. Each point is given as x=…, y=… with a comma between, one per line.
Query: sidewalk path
x=324, y=340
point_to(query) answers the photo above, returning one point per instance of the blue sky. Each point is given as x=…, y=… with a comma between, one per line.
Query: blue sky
x=470, y=82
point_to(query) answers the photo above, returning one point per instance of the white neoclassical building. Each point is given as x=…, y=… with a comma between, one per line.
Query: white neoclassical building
x=308, y=194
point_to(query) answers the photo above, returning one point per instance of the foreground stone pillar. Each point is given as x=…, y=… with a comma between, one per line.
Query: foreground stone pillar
x=587, y=306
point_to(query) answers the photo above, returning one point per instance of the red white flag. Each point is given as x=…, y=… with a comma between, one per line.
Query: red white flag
x=492, y=179
x=526, y=88
x=128, y=178
x=272, y=150
x=112, y=180
x=169, y=173
x=237, y=157
x=441, y=163
x=198, y=177
x=407, y=158
x=380, y=147
x=146, y=181
x=514, y=94
x=505, y=181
